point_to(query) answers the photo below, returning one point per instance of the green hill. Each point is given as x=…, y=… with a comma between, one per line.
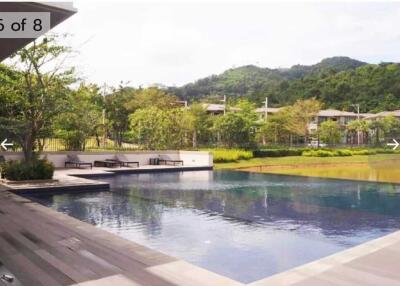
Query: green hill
x=336, y=64
x=338, y=82
x=250, y=80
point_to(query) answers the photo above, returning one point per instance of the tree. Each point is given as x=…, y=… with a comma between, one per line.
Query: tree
x=151, y=97
x=377, y=127
x=198, y=123
x=291, y=121
x=69, y=124
x=391, y=127
x=246, y=109
x=278, y=127
x=117, y=112
x=34, y=91
x=234, y=130
x=357, y=127
x=329, y=132
x=385, y=128
x=300, y=115
x=156, y=128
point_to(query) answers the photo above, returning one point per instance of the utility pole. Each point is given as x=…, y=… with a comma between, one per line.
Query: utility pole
x=264, y=140
x=266, y=109
x=358, y=119
x=224, y=101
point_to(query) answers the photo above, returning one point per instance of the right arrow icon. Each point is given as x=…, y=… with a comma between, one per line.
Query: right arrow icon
x=395, y=144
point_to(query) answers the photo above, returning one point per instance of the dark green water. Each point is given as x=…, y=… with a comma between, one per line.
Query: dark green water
x=242, y=225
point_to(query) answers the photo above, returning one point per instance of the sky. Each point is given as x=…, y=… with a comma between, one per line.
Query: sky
x=172, y=43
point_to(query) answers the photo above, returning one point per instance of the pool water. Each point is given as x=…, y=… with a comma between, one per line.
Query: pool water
x=246, y=226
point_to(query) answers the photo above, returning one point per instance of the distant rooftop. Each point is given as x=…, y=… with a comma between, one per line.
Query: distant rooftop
x=269, y=110
x=212, y=107
x=382, y=114
x=322, y=113
x=336, y=113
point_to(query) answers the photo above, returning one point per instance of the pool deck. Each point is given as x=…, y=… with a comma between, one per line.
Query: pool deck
x=80, y=179
x=43, y=247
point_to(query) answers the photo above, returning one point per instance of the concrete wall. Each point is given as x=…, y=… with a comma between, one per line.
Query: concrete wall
x=190, y=158
x=196, y=158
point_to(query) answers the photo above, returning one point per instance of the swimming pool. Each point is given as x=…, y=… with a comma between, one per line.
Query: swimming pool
x=246, y=226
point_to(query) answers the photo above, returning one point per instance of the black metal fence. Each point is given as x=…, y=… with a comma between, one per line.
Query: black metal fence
x=90, y=144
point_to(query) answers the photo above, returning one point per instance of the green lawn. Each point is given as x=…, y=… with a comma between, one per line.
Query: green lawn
x=291, y=160
x=377, y=168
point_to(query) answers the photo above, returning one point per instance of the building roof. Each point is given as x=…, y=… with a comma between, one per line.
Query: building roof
x=364, y=115
x=322, y=113
x=382, y=114
x=211, y=107
x=58, y=13
x=336, y=113
x=269, y=110
x=214, y=107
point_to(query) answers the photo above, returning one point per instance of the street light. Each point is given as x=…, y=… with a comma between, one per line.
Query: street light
x=358, y=119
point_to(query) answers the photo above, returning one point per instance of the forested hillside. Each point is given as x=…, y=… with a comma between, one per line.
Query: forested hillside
x=338, y=82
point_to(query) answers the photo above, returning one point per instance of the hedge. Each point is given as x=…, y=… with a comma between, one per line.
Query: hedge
x=20, y=170
x=230, y=155
x=279, y=152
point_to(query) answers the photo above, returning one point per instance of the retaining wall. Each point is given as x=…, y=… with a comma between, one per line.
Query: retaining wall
x=190, y=158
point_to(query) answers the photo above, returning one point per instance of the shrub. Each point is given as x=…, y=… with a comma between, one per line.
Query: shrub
x=318, y=153
x=342, y=152
x=279, y=152
x=364, y=152
x=385, y=151
x=230, y=155
x=20, y=170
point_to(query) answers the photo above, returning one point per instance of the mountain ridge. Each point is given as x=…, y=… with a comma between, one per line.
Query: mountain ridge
x=247, y=79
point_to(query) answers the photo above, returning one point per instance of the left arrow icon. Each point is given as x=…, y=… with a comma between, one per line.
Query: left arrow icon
x=4, y=144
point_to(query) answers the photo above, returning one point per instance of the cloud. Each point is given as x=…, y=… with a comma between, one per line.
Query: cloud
x=175, y=43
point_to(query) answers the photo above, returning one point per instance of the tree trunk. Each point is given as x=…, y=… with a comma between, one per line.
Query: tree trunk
x=28, y=146
x=264, y=140
x=41, y=143
x=194, y=139
x=97, y=140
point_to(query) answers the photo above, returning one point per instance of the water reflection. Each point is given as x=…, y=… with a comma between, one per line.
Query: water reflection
x=243, y=225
